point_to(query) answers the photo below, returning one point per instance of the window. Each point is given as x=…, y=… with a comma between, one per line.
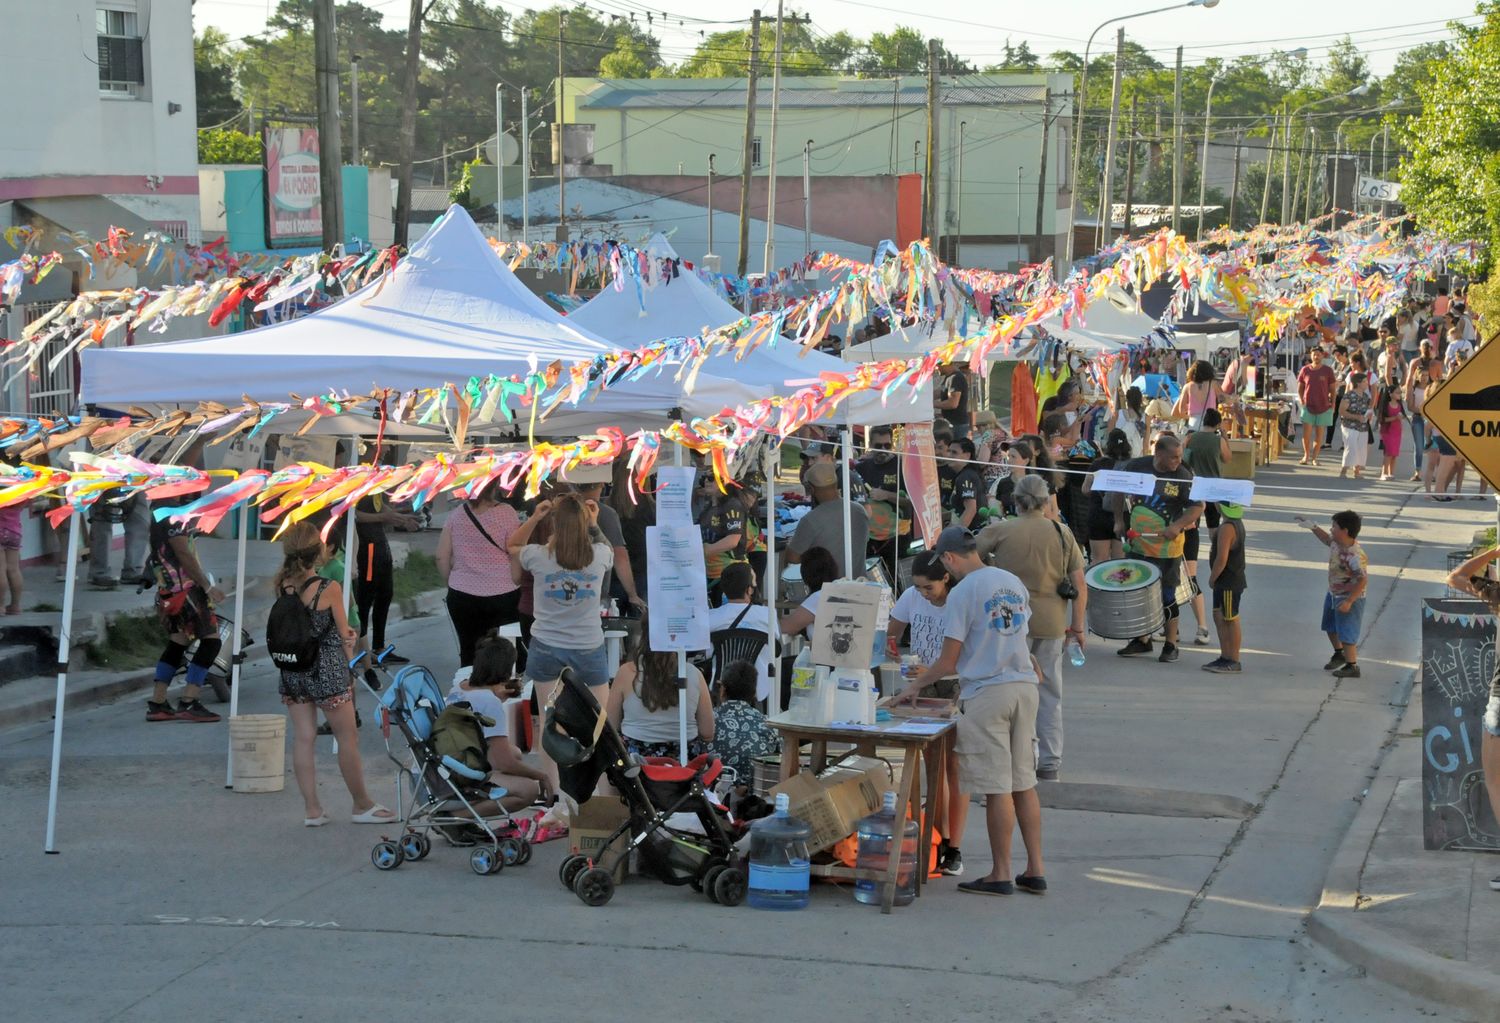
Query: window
x=755, y=151
x=122, y=69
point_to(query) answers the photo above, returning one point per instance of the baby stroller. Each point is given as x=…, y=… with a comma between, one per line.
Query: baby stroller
x=583, y=743
x=440, y=789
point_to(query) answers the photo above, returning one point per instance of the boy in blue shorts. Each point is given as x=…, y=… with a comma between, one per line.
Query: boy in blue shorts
x=1344, y=603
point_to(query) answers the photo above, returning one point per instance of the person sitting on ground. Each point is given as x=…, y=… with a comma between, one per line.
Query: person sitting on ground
x=490, y=683
x=1348, y=578
x=818, y=567
x=643, y=703
x=740, y=731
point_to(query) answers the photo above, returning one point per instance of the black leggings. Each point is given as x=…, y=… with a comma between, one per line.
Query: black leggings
x=474, y=616
x=374, y=587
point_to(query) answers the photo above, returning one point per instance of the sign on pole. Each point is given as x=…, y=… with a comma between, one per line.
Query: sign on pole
x=294, y=191
x=1375, y=190
x=679, y=588
x=1465, y=409
x=919, y=466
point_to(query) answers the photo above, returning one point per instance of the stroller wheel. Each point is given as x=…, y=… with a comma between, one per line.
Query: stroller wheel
x=571, y=867
x=594, y=886
x=484, y=860
x=510, y=849
x=415, y=846
x=710, y=876
x=729, y=886
x=525, y=856
x=386, y=856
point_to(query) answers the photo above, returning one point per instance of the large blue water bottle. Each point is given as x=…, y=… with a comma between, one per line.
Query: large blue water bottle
x=779, y=865
x=877, y=833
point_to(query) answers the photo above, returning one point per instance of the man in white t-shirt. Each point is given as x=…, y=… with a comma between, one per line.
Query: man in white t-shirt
x=737, y=612
x=985, y=642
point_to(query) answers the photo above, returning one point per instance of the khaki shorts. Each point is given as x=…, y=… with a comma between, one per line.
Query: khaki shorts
x=996, y=744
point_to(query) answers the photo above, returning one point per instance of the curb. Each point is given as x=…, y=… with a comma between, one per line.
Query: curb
x=1335, y=925
x=93, y=694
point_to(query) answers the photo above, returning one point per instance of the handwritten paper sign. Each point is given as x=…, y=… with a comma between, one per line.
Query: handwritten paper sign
x=1138, y=483
x=1210, y=488
x=679, y=588
x=674, y=501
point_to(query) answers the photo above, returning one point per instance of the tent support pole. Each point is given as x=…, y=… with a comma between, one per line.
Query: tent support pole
x=64, y=638
x=239, y=631
x=848, y=458
x=682, y=740
x=773, y=568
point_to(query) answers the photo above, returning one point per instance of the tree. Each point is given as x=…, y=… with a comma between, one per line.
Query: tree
x=1018, y=58
x=727, y=54
x=1450, y=178
x=213, y=75
x=904, y=51
x=225, y=145
x=1414, y=68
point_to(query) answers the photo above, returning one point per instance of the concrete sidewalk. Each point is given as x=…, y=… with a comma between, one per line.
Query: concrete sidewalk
x=1422, y=920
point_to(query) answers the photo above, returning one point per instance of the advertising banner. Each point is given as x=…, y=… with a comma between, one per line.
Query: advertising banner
x=294, y=192
x=919, y=467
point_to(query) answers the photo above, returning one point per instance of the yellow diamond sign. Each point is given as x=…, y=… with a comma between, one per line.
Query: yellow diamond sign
x=1465, y=409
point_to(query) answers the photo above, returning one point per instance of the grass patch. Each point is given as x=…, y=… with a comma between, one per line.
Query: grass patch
x=130, y=642
x=419, y=575
x=45, y=606
x=1487, y=539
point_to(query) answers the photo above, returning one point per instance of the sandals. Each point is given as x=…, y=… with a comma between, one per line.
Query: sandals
x=376, y=814
x=315, y=822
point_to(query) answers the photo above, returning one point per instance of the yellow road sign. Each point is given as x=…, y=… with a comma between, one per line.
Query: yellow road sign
x=1465, y=409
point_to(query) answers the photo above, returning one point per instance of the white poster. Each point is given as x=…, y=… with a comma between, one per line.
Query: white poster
x=679, y=588
x=1375, y=190
x=674, y=501
x=844, y=627
x=1138, y=483
x=1209, y=488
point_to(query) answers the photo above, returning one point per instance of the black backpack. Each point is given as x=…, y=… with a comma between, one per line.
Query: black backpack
x=290, y=636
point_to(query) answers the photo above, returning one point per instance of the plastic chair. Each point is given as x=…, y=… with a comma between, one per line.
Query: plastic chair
x=731, y=645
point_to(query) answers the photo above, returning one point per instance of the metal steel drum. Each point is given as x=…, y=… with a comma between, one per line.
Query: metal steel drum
x=1124, y=599
x=793, y=590
x=1187, y=586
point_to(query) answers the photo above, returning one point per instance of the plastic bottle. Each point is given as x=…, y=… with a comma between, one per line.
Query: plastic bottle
x=1075, y=653
x=876, y=833
x=779, y=866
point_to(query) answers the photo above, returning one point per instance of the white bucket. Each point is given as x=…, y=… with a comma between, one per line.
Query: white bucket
x=257, y=744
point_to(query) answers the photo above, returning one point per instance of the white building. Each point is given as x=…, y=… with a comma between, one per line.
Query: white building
x=98, y=129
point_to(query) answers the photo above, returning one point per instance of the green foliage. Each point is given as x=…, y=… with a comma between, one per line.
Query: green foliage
x=1450, y=178
x=213, y=74
x=462, y=193
x=419, y=575
x=130, y=641
x=225, y=145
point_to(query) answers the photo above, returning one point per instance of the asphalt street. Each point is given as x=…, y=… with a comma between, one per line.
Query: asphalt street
x=1212, y=808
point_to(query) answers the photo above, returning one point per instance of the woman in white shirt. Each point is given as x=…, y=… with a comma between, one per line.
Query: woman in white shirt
x=643, y=703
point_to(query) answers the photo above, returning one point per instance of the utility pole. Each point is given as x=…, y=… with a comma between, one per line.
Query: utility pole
x=1312, y=163
x=958, y=229
x=747, y=164
x=499, y=160
x=1106, y=198
x=1234, y=191
x=711, y=204
x=1130, y=166
x=1177, y=146
x=1041, y=173
x=525, y=169
x=775, y=117
x=562, y=147
x=330, y=138
x=1265, y=198
x=1286, y=169
x=408, y=139
x=807, y=198
x=354, y=156
x=930, y=227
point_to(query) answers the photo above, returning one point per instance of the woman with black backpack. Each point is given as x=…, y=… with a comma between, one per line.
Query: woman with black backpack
x=322, y=684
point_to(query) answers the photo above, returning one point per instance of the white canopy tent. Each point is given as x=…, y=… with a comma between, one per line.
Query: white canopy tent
x=1108, y=328
x=686, y=305
x=451, y=310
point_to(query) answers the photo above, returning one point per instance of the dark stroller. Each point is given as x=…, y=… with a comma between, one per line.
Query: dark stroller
x=577, y=736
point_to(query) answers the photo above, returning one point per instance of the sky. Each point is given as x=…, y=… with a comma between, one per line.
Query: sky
x=1381, y=28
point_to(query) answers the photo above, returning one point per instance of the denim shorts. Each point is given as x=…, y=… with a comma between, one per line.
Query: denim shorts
x=1344, y=625
x=545, y=663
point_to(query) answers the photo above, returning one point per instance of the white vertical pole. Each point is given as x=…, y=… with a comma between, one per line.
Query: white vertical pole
x=773, y=568
x=525, y=169
x=682, y=740
x=64, y=638
x=499, y=164
x=850, y=571
x=350, y=554
x=238, y=630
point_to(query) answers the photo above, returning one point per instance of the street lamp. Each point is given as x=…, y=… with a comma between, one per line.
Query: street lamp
x=1291, y=122
x=1083, y=92
x=1298, y=54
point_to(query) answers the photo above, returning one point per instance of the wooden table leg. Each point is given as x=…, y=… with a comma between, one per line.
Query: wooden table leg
x=819, y=755
x=904, y=799
x=936, y=754
x=791, y=754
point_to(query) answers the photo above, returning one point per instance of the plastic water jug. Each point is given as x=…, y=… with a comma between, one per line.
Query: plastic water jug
x=779, y=866
x=812, y=692
x=876, y=836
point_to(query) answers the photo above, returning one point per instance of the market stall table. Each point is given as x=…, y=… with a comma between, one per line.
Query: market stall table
x=919, y=739
x=1265, y=427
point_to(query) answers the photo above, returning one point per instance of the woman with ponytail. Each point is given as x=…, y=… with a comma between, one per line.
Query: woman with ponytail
x=326, y=686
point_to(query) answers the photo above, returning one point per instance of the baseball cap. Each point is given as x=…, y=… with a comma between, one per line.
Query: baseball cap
x=1230, y=510
x=822, y=475
x=954, y=540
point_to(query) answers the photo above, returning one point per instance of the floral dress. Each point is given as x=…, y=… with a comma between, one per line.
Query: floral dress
x=328, y=683
x=740, y=735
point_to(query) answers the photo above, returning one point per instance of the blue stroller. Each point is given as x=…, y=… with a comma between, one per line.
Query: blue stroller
x=437, y=794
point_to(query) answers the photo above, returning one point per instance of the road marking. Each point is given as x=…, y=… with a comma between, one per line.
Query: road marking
x=241, y=921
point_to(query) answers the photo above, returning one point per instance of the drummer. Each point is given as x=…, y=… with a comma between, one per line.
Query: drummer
x=1152, y=529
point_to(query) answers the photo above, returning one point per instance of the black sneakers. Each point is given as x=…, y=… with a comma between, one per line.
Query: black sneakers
x=1220, y=666
x=195, y=712
x=979, y=886
x=1346, y=670
x=372, y=679
x=1034, y=885
x=394, y=658
x=1168, y=653
x=950, y=861
x=163, y=711
x=1134, y=648
x=1336, y=661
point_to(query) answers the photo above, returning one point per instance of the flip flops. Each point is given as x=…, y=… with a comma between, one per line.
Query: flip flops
x=376, y=814
x=315, y=822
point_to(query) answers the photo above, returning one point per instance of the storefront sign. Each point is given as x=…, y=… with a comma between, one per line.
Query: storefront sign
x=294, y=191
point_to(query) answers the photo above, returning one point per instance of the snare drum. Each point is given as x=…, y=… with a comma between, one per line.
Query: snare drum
x=1124, y=599
x=793, y=589
x=1187, y=586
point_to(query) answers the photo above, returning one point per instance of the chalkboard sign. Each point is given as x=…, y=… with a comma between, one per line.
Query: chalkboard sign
x=1458, y=658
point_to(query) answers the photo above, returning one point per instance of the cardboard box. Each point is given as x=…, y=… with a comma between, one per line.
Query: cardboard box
x=833, y=802
x=1241, y=464
x=594, y=822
